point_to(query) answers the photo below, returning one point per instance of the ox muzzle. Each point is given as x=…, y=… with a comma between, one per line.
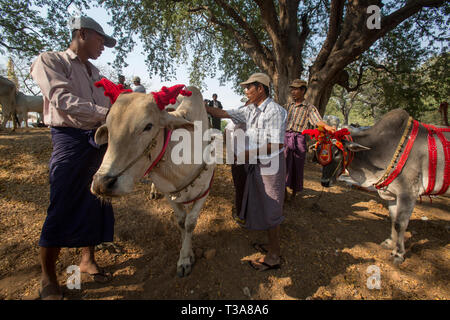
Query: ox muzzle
x=103, y=185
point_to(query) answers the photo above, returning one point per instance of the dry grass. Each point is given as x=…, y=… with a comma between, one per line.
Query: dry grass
x=328, y=241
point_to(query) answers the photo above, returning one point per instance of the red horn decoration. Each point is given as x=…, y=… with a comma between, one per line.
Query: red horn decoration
x=112, y=90
x=313, y=133
x=168, y=96
x=338, y=135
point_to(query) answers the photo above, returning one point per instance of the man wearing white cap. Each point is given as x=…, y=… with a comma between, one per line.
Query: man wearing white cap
x=74, y=108
x=263, y=196
x=137, y=86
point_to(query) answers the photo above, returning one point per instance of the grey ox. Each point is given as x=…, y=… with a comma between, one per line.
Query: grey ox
x=135, y=131
x=373, y=151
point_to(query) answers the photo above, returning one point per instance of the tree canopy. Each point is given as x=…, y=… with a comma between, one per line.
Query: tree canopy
x=287, y=39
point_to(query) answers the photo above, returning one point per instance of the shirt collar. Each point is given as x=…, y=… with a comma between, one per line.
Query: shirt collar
x=300, y=105
x=72, y=55
x=262, y=106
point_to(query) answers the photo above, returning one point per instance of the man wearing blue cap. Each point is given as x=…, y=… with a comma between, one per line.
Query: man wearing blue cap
x=74, y=108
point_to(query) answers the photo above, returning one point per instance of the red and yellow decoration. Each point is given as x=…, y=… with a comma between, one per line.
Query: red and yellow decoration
x=325, y=139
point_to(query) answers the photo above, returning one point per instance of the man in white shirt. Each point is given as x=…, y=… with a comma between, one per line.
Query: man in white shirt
x=262, y=204
x=137, y=86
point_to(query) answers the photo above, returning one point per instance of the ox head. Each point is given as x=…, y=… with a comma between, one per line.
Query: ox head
x=335, y=158
x=132, y=126
x=334, y=151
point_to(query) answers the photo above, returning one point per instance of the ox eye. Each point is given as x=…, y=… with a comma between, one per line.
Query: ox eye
x=148, y=127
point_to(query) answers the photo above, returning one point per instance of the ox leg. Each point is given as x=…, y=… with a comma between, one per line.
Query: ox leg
x=405, y=207
x=187, y=223
x=154, y=194
x=390, y=242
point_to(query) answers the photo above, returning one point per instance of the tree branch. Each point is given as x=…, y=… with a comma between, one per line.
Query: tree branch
x=250, y=44
x=391, y=21
x=336, y=11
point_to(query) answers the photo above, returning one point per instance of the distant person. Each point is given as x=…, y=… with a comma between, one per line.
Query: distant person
x=122, y=82
x=214, y=103
x=237, y=169
x=137, y=86
x=206, y=104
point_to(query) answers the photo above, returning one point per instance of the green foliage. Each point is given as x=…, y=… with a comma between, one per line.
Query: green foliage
x=26, y=30
x=205, y=34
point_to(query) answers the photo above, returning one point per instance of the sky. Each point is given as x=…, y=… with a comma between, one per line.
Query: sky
x=137, y=67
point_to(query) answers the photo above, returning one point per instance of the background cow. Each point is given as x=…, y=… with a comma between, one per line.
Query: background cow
x=373, y=151
x=25, y=104
x=8, y=101
x=133, y=124
x=15, y=103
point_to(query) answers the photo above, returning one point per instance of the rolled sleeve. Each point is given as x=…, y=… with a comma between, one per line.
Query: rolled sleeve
x=314, y=115
x=238, y=115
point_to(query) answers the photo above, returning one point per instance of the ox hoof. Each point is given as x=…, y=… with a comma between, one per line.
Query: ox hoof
x=397, y=259
x=388, y=244
x=184, y=266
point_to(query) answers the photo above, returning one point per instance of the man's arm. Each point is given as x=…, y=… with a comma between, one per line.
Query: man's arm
x=316, y=119
x=217, y=113
x=321, y=123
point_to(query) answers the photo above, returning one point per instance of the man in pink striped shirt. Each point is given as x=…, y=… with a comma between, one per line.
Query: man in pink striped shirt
x=74, y=108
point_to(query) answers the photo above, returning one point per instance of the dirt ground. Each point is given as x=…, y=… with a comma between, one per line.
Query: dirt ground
x=329, y=239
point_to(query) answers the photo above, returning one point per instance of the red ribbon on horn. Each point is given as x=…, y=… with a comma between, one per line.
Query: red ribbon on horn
x=112, y=90
x=168, y=96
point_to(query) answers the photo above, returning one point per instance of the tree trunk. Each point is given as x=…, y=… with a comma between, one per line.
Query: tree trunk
x=347, y=37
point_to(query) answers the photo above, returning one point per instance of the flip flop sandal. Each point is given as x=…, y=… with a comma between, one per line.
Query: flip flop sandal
x=101, y=276
x=50, y=292
x=267, y=266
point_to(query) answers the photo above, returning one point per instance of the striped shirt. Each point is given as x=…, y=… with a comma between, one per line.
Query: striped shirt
x=264, y=124
x=299, y=116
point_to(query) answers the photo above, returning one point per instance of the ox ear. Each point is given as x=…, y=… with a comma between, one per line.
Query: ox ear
x=353, y=146
x=101, y=135
x=172, y=122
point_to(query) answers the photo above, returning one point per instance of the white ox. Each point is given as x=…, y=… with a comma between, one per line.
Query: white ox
x=7, y=100
x=16, y=103
x=25, y=104
x=134, y=131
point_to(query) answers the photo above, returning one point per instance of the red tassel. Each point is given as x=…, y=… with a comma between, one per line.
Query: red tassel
x=168, y=96
x=112, y=90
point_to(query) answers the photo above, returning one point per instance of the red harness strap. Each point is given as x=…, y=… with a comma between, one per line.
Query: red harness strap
x=167, y=134
x=403, y=158
x=204, y=193
x=432, y=156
